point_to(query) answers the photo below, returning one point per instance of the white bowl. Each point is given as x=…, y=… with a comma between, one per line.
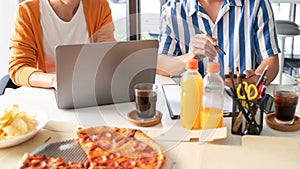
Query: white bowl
x=41, y=118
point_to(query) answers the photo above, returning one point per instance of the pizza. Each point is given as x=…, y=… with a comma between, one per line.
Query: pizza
x=114, y=147
x=108, y=148
x=30, y=161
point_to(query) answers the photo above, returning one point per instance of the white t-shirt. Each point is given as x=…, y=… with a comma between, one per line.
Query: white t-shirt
x=57, y=31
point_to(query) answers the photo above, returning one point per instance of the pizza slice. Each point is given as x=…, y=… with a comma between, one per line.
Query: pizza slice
x=120, y=148
x=30, y=161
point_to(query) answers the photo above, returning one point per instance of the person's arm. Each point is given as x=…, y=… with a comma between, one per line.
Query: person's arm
x=273, y=68
x=44, y=80
x=169, y=65
x=201, y=46
x=252, y=76
x=25, y=44
x=170, y=45
x=105, y=34
x=266, y=36
x=265, y=46
x=103, y=22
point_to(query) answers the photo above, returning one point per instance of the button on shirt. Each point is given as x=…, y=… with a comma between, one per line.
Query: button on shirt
x=245, y=30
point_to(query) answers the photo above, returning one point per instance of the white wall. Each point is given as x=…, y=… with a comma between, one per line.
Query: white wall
x=7, y=13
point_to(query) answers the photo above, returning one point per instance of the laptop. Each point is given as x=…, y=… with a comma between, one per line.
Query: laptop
x=102, y=73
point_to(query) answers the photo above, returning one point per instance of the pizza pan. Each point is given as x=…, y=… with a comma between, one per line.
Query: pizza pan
x=70, y=150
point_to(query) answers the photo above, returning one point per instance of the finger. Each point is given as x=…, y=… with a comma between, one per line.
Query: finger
x=190, y=55
x=205, y=37
x=205, y=53
x=213, y=40
x=203, y=44
x=198, y=57
x=249, y=73
x=201, y=37
x=251, y=80
x=204, y=47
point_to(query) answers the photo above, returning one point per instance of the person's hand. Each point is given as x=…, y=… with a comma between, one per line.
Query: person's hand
x=201, y=46
x=44, y=80
x=54, y=82
x=250, y=78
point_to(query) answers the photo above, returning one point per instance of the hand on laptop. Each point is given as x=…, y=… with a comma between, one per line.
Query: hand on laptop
x=54, y=82
x=41, y=79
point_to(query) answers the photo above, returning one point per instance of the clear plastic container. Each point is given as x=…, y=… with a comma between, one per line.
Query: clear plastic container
x=191, y=96
x=213, y=98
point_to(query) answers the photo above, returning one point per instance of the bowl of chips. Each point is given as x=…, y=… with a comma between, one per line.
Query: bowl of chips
x=17, y=126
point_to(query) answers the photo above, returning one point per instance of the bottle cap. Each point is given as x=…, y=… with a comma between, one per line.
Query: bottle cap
x=192, y=64
x=213, y=67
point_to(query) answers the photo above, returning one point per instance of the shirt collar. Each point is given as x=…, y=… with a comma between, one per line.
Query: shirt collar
x=192, y=5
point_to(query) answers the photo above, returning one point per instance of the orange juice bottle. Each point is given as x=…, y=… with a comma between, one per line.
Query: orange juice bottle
x=213, y=98
x=191, y=96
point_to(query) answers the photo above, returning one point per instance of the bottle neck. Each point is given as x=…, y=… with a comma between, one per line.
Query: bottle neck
x=213, y=73
x=192, y=70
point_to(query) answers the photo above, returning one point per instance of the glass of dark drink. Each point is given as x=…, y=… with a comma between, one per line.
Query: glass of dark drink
x=286, y=100
x=145, y=95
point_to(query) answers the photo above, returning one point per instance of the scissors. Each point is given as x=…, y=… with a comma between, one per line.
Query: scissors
x=250, y=89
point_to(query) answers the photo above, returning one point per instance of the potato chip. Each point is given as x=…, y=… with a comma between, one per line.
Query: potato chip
x=5, y=117
x=16, y=123
x=12, y=131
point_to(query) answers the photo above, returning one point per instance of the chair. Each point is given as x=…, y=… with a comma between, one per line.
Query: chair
x=6, y=82
x=285, y=29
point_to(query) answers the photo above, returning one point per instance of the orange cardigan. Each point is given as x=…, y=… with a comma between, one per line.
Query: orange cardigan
x=26, y=45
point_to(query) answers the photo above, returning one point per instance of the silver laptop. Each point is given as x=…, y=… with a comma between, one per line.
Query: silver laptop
x=103, y=73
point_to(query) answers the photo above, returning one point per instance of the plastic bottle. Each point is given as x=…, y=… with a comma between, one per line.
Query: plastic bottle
x=191, y=96
x=213, y=97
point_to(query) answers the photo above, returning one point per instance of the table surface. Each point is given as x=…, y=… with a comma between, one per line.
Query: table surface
x=285, y=1
x=63, y=123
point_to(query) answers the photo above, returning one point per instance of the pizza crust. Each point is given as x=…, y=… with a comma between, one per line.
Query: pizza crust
x=161, y=156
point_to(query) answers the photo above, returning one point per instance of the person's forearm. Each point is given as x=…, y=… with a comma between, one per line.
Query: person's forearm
x=272, y=69
x=44, y=80
x=170, y=65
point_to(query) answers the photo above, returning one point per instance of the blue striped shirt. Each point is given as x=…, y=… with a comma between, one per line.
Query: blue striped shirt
x=243, y=28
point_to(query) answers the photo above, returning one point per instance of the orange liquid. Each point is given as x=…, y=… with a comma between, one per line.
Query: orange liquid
x=191, y=101
x=211, y=118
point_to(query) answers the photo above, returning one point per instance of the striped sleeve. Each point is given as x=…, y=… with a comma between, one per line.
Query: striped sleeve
x=266, y=36
x=168, y=40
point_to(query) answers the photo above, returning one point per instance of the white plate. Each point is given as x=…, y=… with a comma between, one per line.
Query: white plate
x=41, y=118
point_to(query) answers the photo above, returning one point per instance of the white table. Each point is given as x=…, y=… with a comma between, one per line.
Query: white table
x=285, y=1
x=63, y=123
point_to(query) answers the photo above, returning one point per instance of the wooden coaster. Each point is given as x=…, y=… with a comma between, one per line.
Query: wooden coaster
x=133, y=117
x=270, y=120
